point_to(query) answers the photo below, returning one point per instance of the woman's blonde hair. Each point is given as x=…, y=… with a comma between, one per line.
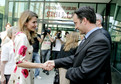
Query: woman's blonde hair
x=26, y=16
x=11, y=30
x=71, y=41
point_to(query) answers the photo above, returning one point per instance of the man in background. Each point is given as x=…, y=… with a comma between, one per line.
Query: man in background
x=36, y=56
x=99, y=21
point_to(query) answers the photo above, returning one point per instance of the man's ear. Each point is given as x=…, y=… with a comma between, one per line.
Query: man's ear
x=85, y=20
x=98, y=22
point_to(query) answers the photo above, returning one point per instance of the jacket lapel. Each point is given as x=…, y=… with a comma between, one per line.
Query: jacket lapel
x=87, y=40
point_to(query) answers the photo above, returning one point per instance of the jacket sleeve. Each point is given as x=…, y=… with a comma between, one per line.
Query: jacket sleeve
x=96, y=57
x=64, y=62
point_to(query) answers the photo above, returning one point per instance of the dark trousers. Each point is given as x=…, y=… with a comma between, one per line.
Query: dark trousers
x=7, y=78
x=55, y=54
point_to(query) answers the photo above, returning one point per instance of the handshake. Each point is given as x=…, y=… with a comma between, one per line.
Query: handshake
x=48, y=65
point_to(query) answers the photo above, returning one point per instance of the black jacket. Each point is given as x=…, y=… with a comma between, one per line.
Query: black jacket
x=63, y=54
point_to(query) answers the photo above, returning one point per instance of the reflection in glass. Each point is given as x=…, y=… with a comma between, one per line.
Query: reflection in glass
x=101, y=8
x=20, y=0
x=61, y=11
x=15, y=23
x=37, y=8
x=39, y=28
x=10, y=12
x=36, y=0
x=118, y=57
x=91, y=5
x=19, y=8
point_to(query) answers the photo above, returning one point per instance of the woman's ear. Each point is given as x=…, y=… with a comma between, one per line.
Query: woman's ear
x=25, y=24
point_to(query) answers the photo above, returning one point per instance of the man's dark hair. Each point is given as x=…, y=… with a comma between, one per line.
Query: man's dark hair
x=59, y=31
x=66, y=32
x=86, y=12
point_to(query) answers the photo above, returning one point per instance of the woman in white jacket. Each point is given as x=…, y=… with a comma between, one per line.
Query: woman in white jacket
x=7, y=56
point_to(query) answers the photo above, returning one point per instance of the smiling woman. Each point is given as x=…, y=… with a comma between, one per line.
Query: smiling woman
x=23, y=74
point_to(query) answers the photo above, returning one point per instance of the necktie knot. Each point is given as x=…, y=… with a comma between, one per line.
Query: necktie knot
x=81, y=42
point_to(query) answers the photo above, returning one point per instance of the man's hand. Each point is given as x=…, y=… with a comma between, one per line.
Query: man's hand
x=43, y=65
x=50, y=65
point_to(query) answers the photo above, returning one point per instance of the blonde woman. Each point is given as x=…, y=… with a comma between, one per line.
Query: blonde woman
x=7, y=56
x=69, y=48
x=23, y=73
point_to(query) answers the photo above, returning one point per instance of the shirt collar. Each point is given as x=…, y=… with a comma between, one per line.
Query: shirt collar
x=86, y=36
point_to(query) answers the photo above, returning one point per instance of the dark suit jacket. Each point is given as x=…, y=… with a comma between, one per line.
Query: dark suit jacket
x=91, y=62
x=106, y=33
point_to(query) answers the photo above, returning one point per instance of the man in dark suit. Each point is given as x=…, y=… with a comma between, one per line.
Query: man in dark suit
x=91, y=62
x=99, y=21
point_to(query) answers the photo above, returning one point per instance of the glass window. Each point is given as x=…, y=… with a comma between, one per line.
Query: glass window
x=118, y=15
x=10, y=10
x=91, y=5
x=15, y=23
x=37, y=0
x=37, y=8
x=1, y=21
x=101, y=8
x=21, y=0
x=19, y=8
x=66, y=27
x=51, y=0
x=116, y=31
x=39, y=28
x=112, y=8
x=2, y=2
x=59, y=11
x=118, y=57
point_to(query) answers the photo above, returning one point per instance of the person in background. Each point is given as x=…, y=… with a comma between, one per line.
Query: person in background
x=66, y=35
x=0, y=59
x=91, y=62
x=36, y=56
x=58, y=41
x=23, y=72
x=67, y=49
x=46, y=46
x=99, y=21
x=3, y=35
x=7, y=56
x=81, y=36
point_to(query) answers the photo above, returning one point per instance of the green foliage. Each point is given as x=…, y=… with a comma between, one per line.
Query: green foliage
x=2, y=9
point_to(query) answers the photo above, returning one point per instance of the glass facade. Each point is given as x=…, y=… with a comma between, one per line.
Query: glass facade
x=10, y=10
x=115, y=31
x=49, y=12
x=2, y=7
x=37, y=7
x=19, y=8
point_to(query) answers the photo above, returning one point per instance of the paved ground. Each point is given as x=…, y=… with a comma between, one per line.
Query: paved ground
x=46, y=79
